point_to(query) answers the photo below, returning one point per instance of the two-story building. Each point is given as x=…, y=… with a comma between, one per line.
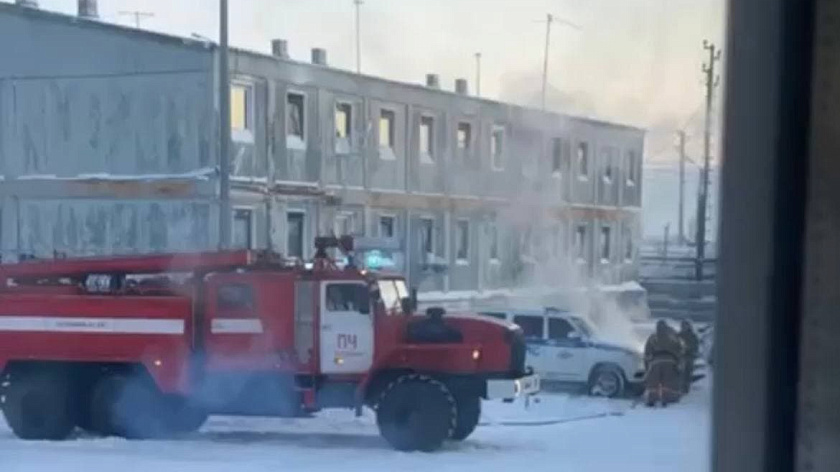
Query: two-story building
x=109, y=144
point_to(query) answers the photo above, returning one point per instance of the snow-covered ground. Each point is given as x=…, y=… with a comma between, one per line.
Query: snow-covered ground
x=556, y=433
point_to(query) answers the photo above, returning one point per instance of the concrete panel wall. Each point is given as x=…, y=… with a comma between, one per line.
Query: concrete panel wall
x=77, y=99
x=95, y=227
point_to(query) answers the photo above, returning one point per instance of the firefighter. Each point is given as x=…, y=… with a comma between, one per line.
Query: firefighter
x=691, y=344
x=663, y=353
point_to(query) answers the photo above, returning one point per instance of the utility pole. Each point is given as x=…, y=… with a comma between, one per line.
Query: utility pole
x=681, y=215
x=358, y=4
x=549, y=20
x=711, y=82
x=224, y=129
x=478, y=74
x=138, y=16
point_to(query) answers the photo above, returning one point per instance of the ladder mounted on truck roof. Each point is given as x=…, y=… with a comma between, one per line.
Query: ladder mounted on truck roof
x=139, y=264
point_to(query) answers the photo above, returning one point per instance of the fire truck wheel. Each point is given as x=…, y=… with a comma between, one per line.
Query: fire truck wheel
x=469, y=411
x=416, y=413
x=128, y=406
x=38, y=406
x=185, y=418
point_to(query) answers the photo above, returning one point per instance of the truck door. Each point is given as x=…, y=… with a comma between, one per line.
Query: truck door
x=346, y=331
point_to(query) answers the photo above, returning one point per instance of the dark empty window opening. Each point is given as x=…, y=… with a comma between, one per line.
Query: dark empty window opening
x=631, y=167
x=464, y=136
x=343, y=120
x=580, y=241
x=583, y=160
x=557, y=148
x=463, y=244
x=605, y=243
x=294, y=234
x=427, y=137
x=494, y=242
x=386, y=226
x=295, y=125
x=427, y=237
x=497, y=148
x=242, y=225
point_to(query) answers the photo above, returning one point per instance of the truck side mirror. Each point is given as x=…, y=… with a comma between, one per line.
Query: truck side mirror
x=413, y=299
x=406, y=305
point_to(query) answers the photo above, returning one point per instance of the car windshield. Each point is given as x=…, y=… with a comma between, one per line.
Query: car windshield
x=582, y=325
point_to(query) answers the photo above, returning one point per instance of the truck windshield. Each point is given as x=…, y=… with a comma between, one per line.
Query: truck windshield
x=392, y=291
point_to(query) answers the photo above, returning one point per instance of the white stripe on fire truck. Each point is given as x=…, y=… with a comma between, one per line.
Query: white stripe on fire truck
x=236, y=326
x=62, y=324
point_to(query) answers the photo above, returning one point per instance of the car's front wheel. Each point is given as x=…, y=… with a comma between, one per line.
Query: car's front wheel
x=606, y=381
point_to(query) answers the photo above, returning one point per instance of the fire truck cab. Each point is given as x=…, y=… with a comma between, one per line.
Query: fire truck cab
x=148, y=346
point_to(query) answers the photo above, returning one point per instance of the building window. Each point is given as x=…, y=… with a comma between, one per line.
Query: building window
x=386, y=226
x=494, y=242
x=497, y=138
x=295, y=120
x=294, y=234
x=628, y=245
x=427, y=137
x=605, y=243
x=464, y=136
x=242, y=228
x=343, y=224
x=343, y=120
x=607, y=158
x=386, y=129
x=241, y=107
x=462, y=251
x=427, y=237
x=557, y=146
x=580, y=242
x=631, y=168
x=583, y=160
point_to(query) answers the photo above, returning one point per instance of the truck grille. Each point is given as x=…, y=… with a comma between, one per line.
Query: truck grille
x=517, y=353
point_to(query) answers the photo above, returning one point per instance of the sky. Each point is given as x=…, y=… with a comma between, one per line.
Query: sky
x=629, y=61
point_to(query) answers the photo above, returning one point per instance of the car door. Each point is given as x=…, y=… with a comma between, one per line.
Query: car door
x=538, y=357
x=346, y=328
x=567, y=349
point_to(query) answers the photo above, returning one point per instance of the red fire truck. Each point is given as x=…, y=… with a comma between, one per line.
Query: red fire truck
x=148, y=346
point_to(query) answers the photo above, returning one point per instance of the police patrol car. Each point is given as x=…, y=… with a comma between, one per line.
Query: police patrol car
x=564, y=348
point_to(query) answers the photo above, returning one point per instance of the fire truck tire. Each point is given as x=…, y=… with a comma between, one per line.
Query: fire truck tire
x=37, y=406
x=128, y=406
x=416, y=412
x=185, y=418
x=469, y=411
